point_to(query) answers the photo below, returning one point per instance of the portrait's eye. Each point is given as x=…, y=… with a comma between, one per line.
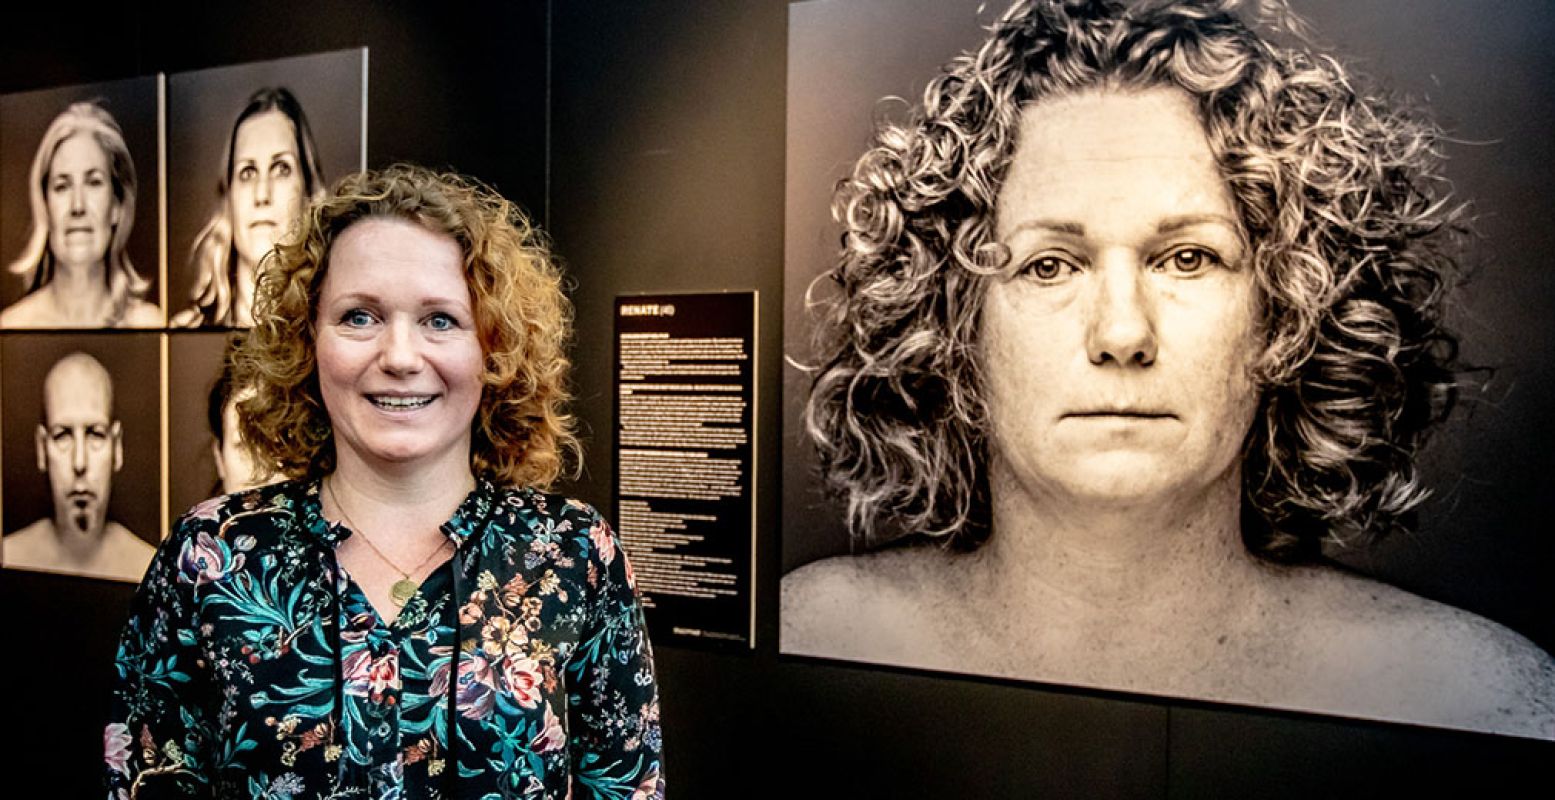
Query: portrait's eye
x=356, y=318
x=247, y=172
x=281, y=169
x=1189, y=261
x=60, y=436
x=1048, y=268
x=59, y=185
x=442, y=322
x=96, y=180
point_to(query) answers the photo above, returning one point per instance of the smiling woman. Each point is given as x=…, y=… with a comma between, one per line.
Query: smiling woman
x=1133, y=314
x=410, y=615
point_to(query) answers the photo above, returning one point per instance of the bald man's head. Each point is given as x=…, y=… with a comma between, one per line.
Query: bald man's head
x=79, y=442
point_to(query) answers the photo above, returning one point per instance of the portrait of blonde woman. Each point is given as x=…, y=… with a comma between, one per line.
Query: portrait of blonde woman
x=75, y=266
x=1139, y=313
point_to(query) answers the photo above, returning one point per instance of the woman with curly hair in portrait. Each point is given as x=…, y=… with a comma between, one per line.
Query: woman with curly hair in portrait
x=1137, y=312
x=410, y=615
x=76, y=265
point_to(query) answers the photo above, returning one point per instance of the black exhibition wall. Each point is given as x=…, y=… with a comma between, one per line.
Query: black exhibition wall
x=649, y=134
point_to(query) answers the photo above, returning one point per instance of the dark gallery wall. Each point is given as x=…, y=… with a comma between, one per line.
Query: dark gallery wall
x=460, y=86
x=667, y=175
x=650, y=135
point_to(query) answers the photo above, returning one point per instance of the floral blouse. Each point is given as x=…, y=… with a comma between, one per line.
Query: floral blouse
x=253, y=666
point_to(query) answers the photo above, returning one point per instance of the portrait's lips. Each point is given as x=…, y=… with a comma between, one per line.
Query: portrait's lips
x=70, y=229
x=81, y=498
x=1125, y=412
x=261, y=223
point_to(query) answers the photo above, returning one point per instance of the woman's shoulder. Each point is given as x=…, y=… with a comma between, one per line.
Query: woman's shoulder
x=884, y=605
x=141, y=314
x=1433, y=662
x=542, y=512
x=256, y=511
x=28, y=312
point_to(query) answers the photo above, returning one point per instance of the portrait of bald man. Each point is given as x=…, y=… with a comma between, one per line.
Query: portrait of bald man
x=79, y=446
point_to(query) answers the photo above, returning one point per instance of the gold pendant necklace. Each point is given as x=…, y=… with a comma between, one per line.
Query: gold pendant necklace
x=404, y=588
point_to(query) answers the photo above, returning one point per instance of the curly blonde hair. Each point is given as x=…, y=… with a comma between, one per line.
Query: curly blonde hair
x=521, y=434
x=1339, y=188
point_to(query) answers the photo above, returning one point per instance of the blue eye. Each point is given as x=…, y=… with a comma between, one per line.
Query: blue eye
x=356, y=318
x=441, y=322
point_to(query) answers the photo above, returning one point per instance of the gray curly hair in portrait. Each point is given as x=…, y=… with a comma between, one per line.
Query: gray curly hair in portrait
x=1353, y=243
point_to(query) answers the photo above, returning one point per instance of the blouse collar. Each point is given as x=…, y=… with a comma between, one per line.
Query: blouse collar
x=468, y=519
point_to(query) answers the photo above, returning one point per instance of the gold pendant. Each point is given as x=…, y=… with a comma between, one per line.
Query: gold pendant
x=402, y=590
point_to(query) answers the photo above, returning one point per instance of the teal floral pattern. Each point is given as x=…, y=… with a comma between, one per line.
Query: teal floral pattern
x=253, y=666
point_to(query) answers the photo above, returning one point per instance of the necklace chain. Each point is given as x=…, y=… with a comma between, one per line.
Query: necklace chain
x=404, y=588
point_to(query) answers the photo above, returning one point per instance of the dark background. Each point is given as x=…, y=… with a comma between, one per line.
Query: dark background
x=132, y=360
x=650, y=135
x=24, y=117
x=201, y=107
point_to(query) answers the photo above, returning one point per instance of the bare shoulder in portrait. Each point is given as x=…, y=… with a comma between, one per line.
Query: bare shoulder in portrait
x=892, y=605
x=1370, y=647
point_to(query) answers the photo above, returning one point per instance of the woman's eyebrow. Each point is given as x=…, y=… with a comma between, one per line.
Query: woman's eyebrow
x=1177, y=223
x=1053, y=226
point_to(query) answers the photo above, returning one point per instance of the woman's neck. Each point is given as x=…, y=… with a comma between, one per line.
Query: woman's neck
x=402, y=502
x=79, y=294
x=1133, y=560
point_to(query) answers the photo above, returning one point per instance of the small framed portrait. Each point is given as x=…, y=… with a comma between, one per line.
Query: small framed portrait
x=79, y=207
x=81, y=457
x=205, y=453
x=248, y=146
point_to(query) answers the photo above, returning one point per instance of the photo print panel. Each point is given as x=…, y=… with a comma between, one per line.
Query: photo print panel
x=81, y=458
x=1058, y=407
x=205, y=458
x=79, y=208
x=248, y=146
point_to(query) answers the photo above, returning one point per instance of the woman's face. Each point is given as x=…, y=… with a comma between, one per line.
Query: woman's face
x=265, y=193
x=78, y=192
x=234, y=466
x=399, y=357
x=1116, y=350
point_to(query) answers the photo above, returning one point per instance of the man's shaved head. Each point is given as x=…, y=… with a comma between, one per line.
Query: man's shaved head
x=79, y=443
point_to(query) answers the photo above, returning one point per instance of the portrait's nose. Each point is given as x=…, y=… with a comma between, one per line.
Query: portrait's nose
x=400, y=348
x=78, y=201
x=262, y=190
x=78, y=454
x=1121, y=320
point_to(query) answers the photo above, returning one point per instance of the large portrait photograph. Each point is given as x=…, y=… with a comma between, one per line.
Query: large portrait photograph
x=79, y=210
x=80, y=453
x=1181, y=348
x=247, y=147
